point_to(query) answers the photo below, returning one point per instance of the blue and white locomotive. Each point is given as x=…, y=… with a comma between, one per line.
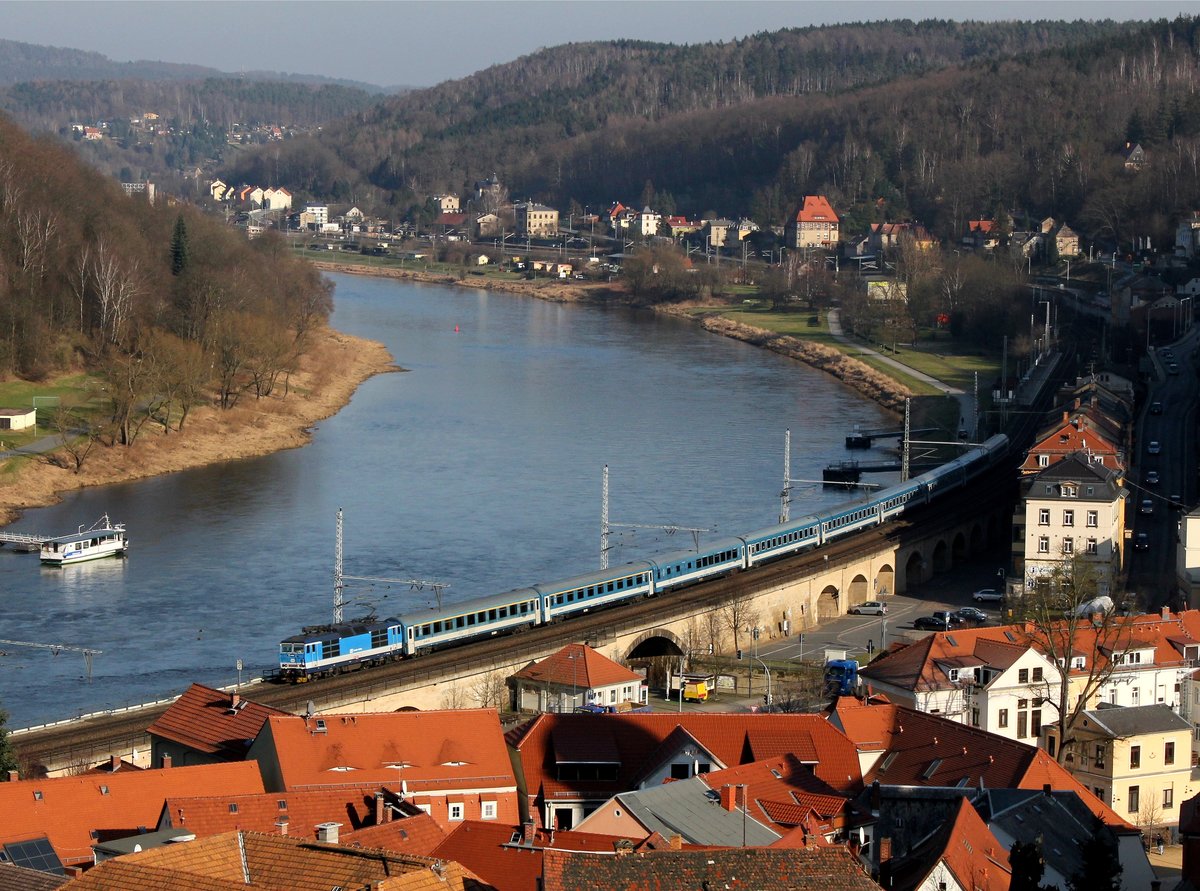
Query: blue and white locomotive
x=333, y=648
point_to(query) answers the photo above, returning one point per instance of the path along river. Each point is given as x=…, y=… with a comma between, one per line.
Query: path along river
x=480, y=467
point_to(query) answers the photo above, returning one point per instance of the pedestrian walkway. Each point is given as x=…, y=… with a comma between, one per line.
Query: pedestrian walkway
x=966, y=408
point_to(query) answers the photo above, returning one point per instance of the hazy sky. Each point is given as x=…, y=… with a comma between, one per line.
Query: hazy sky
x=421, y=43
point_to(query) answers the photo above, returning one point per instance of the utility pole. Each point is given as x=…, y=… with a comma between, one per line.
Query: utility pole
x=55, y=649
x=904, y=451
x=339, y=579
x=606, y=526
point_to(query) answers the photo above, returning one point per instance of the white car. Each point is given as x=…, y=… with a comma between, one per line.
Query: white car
x=870, y=608
x=987, y=595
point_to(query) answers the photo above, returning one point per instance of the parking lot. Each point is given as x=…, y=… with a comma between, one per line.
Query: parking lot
x=862, y=635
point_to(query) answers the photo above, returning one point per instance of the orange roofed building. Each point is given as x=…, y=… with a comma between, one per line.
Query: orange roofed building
x=206, y=726
x=73, y=813
x=572, y=764
x=813, y=225
x=576, y=675
x=250, y=860
x=451, y=764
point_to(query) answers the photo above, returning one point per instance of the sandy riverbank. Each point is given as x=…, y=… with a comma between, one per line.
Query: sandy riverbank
x=326, y=380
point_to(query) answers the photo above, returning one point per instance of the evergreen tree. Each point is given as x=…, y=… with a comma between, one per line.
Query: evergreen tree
x=1101, y=868
x=179, y=247
x=1027, y=864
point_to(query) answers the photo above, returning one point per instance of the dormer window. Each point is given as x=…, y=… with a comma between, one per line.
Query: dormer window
x=952, y=674
x=1069, y=491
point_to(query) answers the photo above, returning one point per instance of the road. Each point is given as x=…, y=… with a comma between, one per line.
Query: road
x=1152, y=571
x=856, y=634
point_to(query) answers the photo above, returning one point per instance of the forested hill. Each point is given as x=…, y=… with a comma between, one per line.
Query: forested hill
x=164, y=302
x=934, y=120
x=523, y=116
x=27, y=61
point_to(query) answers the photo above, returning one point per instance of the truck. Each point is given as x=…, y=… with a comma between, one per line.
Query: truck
x=695, y=690
x=841, y=677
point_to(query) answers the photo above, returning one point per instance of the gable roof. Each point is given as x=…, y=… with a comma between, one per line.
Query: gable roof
x=965, y=846
x=19, y=878
x=1138, y=720
x=634, y=739
x=413, y=834
x=241, y=859
x=579, y=666
x=782, y=792
x=430, y=751
x=763, y=869
x=816, y=209
x=73, y=812
x=691, y=809
x=213, y=722
x=263, y=812
x=500, y=855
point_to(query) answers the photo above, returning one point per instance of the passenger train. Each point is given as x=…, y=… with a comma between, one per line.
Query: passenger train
x=332, y=648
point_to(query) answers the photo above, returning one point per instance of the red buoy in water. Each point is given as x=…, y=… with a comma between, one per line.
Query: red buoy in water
x=455, y=329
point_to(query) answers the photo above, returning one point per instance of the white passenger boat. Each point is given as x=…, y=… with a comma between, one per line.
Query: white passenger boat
x=103, y=539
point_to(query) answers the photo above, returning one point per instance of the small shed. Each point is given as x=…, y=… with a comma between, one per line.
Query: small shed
x=18, y=418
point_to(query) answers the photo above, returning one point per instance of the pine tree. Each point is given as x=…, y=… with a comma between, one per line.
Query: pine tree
x=179, y=247
x=1027, y=864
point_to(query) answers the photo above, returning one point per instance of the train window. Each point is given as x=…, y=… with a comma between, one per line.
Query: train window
x=610, y=587
x=560, y=600
x=424, y=630
x=491, y=615
x=470, y=618
x=460, y=622
x=504, y=612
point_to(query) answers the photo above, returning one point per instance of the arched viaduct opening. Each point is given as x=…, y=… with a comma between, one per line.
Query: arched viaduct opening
x=829, y=603
x=655, y=651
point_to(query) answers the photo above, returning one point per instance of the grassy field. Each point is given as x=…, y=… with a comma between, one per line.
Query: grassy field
x=74, y=391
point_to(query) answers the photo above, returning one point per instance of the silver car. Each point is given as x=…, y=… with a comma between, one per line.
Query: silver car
x=987, y=595
x=870, y=608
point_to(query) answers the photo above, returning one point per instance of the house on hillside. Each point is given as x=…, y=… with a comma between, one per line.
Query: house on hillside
x=576, y=676
x=1133, y=156
x=814, y=224
x=206, y=726
x=536, y=220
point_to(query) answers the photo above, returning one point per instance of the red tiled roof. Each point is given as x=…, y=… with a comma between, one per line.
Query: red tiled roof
x=214, y=814
x=488, y=850
x=816, y=209
x=731, y=739
x=68, y=810
x=580, y=666
x=928, y=750
x=763, y=869
x=972, y=853
x=431, y=751
x=213, y=722
x=415, y=834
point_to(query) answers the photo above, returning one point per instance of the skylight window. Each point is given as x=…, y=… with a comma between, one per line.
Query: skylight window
x=887, y=761
x=932, y=768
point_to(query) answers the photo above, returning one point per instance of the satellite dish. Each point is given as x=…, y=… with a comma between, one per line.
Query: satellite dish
x=312, y=709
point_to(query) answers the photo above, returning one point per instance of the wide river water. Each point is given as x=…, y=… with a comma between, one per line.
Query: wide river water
x=480, y=467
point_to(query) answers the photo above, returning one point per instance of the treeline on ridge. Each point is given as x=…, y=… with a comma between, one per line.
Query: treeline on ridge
x=170, y=307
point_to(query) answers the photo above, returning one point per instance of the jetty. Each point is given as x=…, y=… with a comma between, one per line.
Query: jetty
x=864, y=439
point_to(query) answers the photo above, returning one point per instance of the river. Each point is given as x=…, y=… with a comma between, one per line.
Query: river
x=480, y=468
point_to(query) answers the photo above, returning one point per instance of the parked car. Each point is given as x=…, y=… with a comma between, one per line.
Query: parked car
x=929, y=623
x=987, y=595
x=950, y=617
x=1173, y=368
x=1147, y=506
x=1141, y=542
x=1154, y=448
x=1176, y=502
x=870, y=608
x=1152, y=478
x=972, y=616
x=1156, y=408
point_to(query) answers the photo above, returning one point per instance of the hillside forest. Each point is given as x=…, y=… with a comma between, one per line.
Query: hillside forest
x=939, y=122
x=169, y=308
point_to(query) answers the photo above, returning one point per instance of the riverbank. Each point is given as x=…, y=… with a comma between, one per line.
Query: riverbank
x=325, y=381
x=861, y=377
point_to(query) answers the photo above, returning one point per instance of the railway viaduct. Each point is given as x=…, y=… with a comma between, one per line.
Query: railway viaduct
x=786, y=597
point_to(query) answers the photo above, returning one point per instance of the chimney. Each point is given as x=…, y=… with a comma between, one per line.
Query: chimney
x=114, y=763
x=676, y=842
x=381, y=809
x=166, y=762
x=1066, y=416
x=282, y=825
x=729, y=797
x=876, y=798
x=328, y=832
x=14, y=775
x=234, y=700
x=885, y=850
x=1046, y=788
x=527, y=833
x=1166, y=613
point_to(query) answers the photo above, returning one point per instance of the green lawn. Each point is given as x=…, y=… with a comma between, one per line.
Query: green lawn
x=78, y=390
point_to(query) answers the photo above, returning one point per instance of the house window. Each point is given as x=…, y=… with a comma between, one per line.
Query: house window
x=1168, y=798
x=1135, y=799
x=1023, y=676
x=487, y=810
x=1035, y=723
x=974, y=716
x=1044, y=516
x=1037, y=674
x=1068, y=518
x=1091, y=546
x=1135, y=757
x=1069, y=491
x=1100, y=757
x=456, y=812
x=953, y=674
x=1043, y=544
x=1068, y=546
x=612, y=695
x=1093, y=519
x=1022, y=725
x=1098, y=792
x=1135, y=696
x=1169, y=753
x=1003, y=719
x=1043, y=460
x=680, y=772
